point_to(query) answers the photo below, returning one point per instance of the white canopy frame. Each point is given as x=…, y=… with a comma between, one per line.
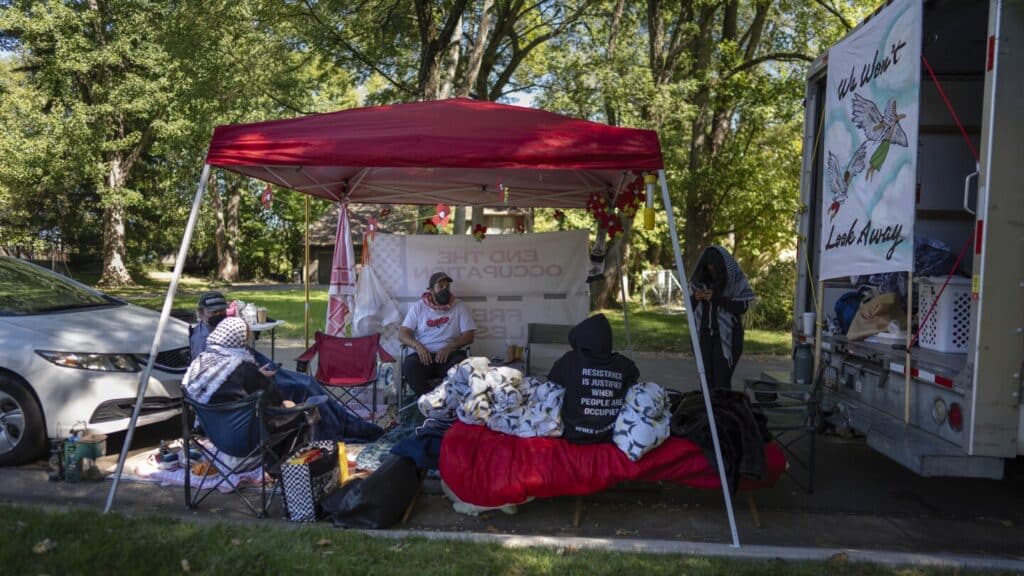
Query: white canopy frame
x=180, y=263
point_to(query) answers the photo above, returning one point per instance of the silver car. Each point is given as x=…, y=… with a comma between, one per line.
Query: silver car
x=71, y=357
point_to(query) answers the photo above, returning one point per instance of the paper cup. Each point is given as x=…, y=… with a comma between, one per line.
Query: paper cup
x=808, y=319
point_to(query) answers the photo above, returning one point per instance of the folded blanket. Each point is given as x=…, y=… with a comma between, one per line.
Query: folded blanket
x=643, y=421
x=498, y=397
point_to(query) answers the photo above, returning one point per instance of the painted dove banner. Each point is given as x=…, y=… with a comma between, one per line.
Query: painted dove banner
x=507, y=280
x=870, y=155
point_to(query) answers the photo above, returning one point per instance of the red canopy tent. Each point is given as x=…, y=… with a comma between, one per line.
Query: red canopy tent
x=456, y=152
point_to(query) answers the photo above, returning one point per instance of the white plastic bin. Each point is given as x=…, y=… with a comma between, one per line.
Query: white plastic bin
x=949, y=327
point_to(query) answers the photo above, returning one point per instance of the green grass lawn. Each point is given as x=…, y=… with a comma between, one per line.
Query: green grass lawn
x=663, y=330
x=287, y=305
x=39, y=541
x=651, y=330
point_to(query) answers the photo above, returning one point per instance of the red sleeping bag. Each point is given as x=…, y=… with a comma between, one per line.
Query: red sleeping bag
x=488, y=468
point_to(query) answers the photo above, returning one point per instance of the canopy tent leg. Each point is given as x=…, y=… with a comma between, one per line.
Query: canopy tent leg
x=684, y=283
x=305, y=281
x=179, y=264
x=625, y=307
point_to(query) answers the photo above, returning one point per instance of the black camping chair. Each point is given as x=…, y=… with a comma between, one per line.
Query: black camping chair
x=543, y=334
x=251, y=434
x=793, y=412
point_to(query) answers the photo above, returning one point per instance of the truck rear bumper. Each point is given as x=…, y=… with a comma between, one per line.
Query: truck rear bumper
x=923, y=453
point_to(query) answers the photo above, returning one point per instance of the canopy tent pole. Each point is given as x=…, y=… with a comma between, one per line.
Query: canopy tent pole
x=165, y=313
x=696, y=354
x=625, y=305
x=305, y=280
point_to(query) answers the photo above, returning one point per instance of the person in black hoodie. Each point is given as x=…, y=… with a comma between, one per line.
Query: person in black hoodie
x=595, y=381
x=721, y=295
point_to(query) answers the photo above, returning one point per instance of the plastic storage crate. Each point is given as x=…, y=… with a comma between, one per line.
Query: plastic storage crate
x=949, y=327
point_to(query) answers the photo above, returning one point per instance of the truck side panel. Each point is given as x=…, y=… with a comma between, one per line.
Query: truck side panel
x=998, y=275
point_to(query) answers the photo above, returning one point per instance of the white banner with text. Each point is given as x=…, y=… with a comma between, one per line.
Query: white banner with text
x=507, y=281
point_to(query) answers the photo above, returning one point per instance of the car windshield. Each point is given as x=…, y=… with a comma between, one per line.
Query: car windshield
x=28, y=289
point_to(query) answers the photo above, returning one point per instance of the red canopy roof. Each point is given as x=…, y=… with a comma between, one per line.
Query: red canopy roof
x=458, y=151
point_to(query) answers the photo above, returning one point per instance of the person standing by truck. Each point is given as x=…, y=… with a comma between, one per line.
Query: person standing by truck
x=720, y=296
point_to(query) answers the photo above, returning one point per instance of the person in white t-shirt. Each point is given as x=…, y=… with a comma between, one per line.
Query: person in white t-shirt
x=436, y=329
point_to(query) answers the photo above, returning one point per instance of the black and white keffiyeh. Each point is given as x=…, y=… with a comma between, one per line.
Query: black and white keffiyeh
x=728, y=282
x=225, y=351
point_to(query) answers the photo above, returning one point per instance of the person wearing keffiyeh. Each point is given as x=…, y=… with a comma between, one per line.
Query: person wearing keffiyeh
x=436, y=329
x=336, y=421
x=226, y=370
x=720, y=295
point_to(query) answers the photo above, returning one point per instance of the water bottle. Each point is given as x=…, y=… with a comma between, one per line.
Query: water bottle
x=803, y=364
x=56, y=461
x=249, y=313
x=72, y=463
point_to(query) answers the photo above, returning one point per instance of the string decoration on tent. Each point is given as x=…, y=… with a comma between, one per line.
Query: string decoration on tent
x=479, y=232
x=369, y=233
x=440, y=219
x=267, y=197
x=632, y=198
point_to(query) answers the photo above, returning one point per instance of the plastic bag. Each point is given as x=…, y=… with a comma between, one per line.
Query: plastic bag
x=875, y=315
x=377, y=501
x=374, y=307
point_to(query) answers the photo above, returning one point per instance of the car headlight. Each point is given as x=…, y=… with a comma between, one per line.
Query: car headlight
x=89, y=361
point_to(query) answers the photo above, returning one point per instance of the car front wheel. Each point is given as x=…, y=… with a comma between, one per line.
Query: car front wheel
x=22, y=433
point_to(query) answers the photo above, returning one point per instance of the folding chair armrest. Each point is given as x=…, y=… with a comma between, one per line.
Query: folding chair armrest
x=309, y=354
x=384, y=355
x=308, y=409
x=302, y=361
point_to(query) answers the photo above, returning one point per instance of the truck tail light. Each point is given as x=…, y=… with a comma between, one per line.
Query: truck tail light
x=956, y=417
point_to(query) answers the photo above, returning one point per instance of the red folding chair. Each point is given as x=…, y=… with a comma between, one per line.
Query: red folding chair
x=345, y=365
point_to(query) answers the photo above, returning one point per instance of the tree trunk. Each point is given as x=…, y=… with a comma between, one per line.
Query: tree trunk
x=452, y=68
x=432, y=47
x=460, y=220
x=698, y=211
x=606, y=290
x=476, y=56
x=227, y=252
x=114, y=271
x=234, y=203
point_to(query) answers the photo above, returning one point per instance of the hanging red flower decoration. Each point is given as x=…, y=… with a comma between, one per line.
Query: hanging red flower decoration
x=385, y=212
x=559, y=216
x=479, y=232
x=614, y=227
x=429, y=227
x=631, y=199
x=443, y=214
x=597, y=205
x=520, y=229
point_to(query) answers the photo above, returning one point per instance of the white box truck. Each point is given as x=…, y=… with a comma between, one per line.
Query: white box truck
x=963, y=414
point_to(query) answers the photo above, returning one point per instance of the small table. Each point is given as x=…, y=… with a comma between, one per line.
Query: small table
x=271, y=325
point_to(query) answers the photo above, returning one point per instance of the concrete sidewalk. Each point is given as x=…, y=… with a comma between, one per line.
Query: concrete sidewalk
x=866, y=506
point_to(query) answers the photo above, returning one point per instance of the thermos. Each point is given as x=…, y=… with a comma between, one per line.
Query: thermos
x=803, y=364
